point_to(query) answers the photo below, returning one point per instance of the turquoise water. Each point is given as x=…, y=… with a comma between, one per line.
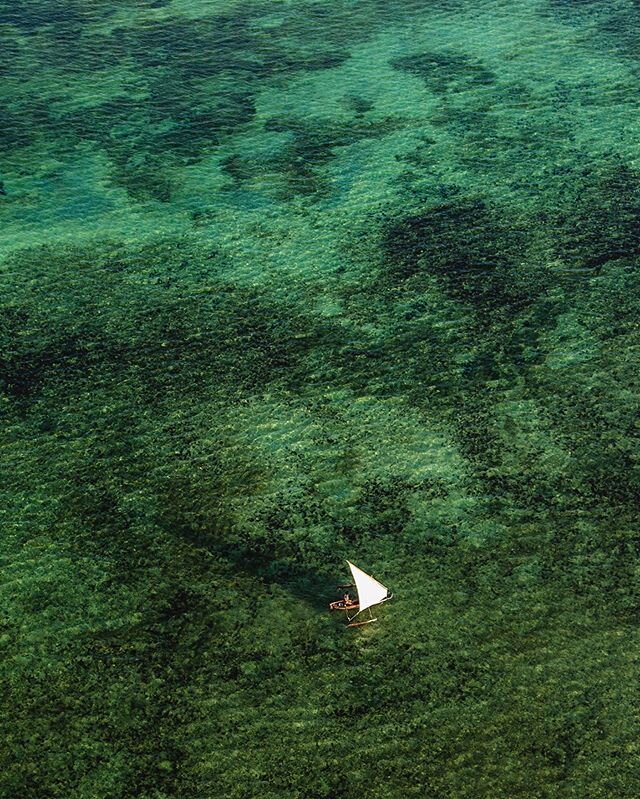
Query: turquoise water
x=289, y=282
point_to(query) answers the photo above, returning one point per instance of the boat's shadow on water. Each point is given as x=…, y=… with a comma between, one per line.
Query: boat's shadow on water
x=316, y=592
x=304, y=583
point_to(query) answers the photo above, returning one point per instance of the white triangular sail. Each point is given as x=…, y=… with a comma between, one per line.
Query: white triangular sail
x=370, y=591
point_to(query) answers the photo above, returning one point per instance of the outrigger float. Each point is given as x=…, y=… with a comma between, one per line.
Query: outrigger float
x=370, y=593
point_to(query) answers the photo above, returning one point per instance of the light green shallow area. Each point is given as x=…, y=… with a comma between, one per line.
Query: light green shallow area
x=286, y=283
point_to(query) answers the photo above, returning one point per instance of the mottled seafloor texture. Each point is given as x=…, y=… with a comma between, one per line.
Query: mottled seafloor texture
x=289, y=281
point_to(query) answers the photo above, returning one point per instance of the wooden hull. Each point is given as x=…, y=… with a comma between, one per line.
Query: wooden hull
x=352, y=607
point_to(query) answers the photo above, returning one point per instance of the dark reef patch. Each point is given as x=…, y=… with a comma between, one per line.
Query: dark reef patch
x=17, y=130
x=466, y=246
x=602, y=221
x=115, y=323
x=299, y=160
x=196, y=83
x=64, y=14
x=444, y=72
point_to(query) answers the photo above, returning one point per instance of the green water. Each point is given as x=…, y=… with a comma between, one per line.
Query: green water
x=289, y=282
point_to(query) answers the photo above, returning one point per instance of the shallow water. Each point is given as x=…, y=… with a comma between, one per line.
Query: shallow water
x=285, y=283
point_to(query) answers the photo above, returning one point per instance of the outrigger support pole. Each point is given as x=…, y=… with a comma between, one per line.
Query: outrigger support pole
x=351, y=618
